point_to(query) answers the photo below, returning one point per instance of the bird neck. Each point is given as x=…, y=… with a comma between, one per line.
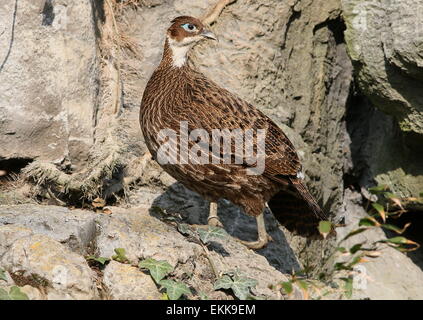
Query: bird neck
x=173, y=55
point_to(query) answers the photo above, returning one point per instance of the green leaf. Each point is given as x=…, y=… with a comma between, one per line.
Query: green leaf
x=15, y=293
x=401, y=244
x=368, y=222
x=378, y=189
x=3, y=274
x=303, y=285
x=356, y=248
x=211, y=233
x=101, y=260
x=356, y=260
x=224, y=282
x=240, y=286
x=380, y=209
x=120, y=255
x=348, y=287
x=395, y=228
x=390, y=195
x=341, y=249
x=4, y=295
x=158, y=269
x=398, y=240
x=354, y=232
x=185, y=229
x=287, y=287
x=324, y=228
x=164, y=296
x=175, y=289
x=342, y=266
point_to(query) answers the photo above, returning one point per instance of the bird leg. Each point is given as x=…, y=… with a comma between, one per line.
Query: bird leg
x=213, y=219
x=263, y=237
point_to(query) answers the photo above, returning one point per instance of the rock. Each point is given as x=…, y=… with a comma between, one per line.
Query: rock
x=384, y=42
x=125, y=282
x=61, y=103
x=194, y=210
x=8, y=281
x=142, y=236
x=42, y=262
x=76, y=228
x=392, y=276
x=49, y=80
x=381, y=153
x=31, y=292
x=380, y=38
x=10, y=233
x=35, y=259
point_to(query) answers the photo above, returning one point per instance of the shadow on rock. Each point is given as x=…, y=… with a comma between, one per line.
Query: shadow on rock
x=194, y=210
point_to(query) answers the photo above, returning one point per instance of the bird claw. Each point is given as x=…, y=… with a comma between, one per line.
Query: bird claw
x=256, y=245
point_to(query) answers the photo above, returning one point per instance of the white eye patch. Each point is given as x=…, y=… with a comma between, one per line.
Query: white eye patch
x=189, y=27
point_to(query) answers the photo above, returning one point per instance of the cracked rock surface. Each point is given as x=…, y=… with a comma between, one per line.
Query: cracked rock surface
x=44, y=247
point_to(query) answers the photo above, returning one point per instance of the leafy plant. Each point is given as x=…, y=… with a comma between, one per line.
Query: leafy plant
x=206, y=235
x=175, y=289
x=325, y=228
x=158, y=269
x=348, y=286
x=3, y=274
x=240, y=286
x=186, y=230
x=381, y=206
x=14, y=293
x=301, y=282
x=100, y=260
x=120, y=255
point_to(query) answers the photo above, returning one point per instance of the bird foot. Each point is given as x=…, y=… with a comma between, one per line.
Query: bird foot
x=214, y=222
x=256, y=245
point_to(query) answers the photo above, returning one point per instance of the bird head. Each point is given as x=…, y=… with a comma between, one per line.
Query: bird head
x=183, y=34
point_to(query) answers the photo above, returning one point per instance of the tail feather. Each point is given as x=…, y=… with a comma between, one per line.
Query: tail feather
x=297, y=210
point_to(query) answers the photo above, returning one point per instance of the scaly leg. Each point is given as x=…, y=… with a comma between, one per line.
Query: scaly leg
x=263, y=237
x=213, y=219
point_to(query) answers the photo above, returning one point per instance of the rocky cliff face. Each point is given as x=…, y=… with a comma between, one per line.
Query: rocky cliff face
x=340, y=77
x=49, y=71
x=384, y=43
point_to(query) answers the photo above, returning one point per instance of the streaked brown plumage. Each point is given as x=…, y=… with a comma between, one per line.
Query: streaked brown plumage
x=176, y=92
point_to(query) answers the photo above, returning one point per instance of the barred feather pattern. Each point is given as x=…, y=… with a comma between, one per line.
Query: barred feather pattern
x=175, y=94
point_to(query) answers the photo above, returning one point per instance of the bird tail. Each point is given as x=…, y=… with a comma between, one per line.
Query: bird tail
x=297, y=210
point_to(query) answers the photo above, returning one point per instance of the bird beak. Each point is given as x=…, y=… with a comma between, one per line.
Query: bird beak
x=208, y=34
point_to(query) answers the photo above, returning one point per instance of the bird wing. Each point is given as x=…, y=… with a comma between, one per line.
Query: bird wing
x=209, y=107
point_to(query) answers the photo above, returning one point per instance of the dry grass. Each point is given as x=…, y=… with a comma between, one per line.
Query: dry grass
x=14, y=190
x=107, y=156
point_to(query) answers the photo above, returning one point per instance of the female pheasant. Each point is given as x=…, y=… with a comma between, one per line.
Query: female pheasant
x=176, y=94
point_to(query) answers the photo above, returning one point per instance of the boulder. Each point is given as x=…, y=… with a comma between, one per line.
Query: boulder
x=33, y=256
x=385, y=44
x=48, y=87
x=42, y=262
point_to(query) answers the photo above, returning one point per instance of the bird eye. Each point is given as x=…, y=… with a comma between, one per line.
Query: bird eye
x=189, y=27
